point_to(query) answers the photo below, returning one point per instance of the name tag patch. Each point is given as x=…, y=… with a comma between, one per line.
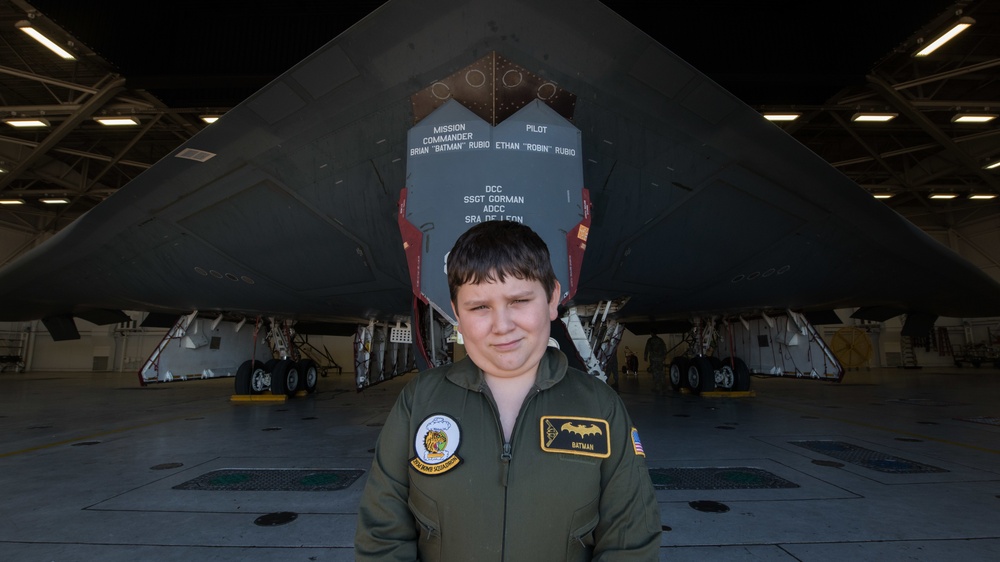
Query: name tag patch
x=436, y=443
x=589, y=437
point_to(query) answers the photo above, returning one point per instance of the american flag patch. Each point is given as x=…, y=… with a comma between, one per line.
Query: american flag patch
x=636, y=444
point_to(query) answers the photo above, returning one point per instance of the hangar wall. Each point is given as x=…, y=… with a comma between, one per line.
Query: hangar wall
x=125, y=347
x=886, y=341
x=120, y=347
x=976, y=240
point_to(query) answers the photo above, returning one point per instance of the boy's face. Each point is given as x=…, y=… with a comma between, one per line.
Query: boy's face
x=506, y=325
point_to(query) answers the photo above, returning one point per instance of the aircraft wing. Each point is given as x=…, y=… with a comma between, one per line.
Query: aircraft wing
x=287, y=205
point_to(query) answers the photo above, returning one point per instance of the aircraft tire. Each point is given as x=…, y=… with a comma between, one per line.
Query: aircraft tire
x=285, y=378
x=243, y=377
x=700, y=375
x=308, y=375
x=741, y=374
x=678, y=372
x=727, y=377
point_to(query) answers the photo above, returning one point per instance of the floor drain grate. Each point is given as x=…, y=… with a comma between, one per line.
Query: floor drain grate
x=273, y=480
x=866, y=457
x=716, y=478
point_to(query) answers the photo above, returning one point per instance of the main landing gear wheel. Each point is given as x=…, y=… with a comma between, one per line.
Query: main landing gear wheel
x=742, y=373
x=285, y=378
x=678, y=373
x=700, y=375
x=243, y=377
x=308, y=375
x=735, y=375
x=251, y=378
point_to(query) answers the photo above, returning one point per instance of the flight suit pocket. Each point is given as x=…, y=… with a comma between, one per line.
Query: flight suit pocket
x=582, y=525
x=425, y=511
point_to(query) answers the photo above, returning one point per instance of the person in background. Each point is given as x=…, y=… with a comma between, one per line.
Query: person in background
x=656, y=353
x=507, y=454
x=631, y=363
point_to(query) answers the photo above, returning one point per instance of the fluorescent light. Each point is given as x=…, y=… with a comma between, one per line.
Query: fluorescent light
x=983, y=196
x=782, y=116
x=943, y=195
x=117, y=121
x=874, y=117
x=16, y=122
x=11, y=201
x=24, y=26
x=973, y=117
x=960, y=26
x=55, y=201
x=883, y=195
x=992, y=166
x=210, y=118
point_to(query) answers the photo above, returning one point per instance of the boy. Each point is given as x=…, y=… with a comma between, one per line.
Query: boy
x=507, y=454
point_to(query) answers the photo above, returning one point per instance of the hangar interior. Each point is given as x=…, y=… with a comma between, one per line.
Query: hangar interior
x=923, y=160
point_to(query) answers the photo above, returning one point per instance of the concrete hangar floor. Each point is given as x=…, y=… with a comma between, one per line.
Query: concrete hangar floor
x=888, y=465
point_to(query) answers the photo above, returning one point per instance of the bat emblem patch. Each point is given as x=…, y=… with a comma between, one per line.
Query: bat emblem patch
x=576, y=436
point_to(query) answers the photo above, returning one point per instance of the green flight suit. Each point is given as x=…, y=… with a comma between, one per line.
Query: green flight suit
x=548, y=495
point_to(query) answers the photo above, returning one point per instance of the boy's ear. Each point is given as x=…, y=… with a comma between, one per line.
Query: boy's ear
x=554, y=302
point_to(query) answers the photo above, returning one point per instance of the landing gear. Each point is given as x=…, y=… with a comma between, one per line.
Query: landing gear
x=734, y=375
x=252, y=378
x=285, y=378
x=308, y=376
x=700, y=375
x=678, y=373
x=704, y=374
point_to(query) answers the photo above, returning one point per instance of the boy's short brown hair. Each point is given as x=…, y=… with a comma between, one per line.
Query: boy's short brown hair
x=490, y=251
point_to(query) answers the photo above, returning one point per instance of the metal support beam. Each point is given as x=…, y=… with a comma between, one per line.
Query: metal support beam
x=918, y=118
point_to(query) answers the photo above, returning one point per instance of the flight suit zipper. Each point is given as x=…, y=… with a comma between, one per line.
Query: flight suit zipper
x=505, y=453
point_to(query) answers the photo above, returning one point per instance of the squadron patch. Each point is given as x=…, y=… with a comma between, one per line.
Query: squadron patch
x=436, y=443
x=576, y=436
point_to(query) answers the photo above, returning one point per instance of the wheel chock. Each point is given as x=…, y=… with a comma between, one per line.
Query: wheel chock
x=262, y=398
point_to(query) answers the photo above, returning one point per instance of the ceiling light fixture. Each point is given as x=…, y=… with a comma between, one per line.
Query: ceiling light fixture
x=209, y=118
x=883, y=195
x=867, y=117
x=26, y=27
x=992, y=166
x=983, y=196
x=959, y=26
x=943, y=195
x=55, y=200
x=26, y=123
x=117, y=121
x=782, y=116
x=973, y=117
x=11, y=201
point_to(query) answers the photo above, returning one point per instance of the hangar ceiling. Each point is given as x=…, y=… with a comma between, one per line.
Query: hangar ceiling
x=159, y=70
